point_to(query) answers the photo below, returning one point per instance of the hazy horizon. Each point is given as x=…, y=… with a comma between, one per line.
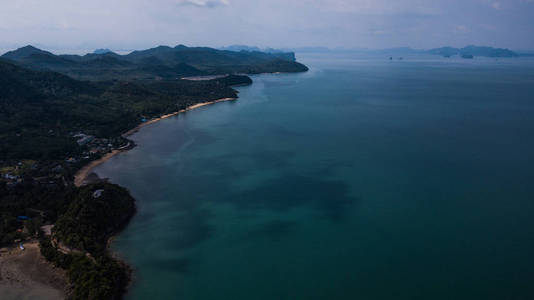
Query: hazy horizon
x=119, y=25
x=80, y=51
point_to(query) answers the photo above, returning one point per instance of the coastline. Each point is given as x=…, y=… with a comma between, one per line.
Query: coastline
x=82, y=174
x=78, y=176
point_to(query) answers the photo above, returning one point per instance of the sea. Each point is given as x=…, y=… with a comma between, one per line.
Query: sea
x=363, y=178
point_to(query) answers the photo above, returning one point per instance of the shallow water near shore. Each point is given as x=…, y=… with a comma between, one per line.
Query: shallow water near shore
x=363, y=178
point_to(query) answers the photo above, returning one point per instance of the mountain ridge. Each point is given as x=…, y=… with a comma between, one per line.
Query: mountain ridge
x=159, y=62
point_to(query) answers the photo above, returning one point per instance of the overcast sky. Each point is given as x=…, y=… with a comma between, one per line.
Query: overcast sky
x=134, y=24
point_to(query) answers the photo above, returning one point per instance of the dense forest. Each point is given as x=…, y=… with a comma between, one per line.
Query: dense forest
x=60, y=112
x=94, y=213
x=39, y=111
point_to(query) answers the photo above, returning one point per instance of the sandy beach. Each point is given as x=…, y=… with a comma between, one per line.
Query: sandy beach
x=25, y=274
x=81, y=175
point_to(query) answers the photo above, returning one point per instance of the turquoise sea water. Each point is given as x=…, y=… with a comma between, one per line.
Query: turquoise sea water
x=362, y=179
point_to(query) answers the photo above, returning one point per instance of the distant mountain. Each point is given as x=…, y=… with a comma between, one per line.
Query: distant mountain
x=101, y=51
x=30, y=55
x=210, y=59
x=474, y=51
x=159, y=62
x=24, y=52
x=238, y=48
x=443, y=51
x=385, y=51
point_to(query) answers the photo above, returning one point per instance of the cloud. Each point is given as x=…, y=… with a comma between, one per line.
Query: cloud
x=376, y=7
x=204, y=3
x=83, y=24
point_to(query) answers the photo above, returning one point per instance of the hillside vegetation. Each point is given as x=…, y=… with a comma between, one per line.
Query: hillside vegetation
x=39, y=111
x=160, y=62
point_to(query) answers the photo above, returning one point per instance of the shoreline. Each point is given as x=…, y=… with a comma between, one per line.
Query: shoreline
x=82, y=174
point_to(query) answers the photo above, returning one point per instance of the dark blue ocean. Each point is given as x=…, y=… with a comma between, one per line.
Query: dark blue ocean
x=363, y=178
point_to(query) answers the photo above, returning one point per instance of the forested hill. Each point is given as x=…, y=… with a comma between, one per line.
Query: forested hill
x=155, y=63
x=39, y=111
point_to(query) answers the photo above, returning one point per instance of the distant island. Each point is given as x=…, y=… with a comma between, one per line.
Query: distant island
x=483, y=51
x=62, y=113
x=102, y=51
x=471, y=51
